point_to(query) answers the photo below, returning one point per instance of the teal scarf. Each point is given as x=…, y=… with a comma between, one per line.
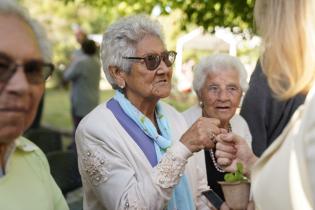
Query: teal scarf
x=182, y=197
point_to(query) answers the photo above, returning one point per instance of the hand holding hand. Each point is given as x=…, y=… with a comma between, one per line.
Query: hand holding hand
x=232, y=149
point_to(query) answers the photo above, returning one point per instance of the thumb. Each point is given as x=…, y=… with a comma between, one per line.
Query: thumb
x=229, y=138
x=237, y=139
x=225, y=137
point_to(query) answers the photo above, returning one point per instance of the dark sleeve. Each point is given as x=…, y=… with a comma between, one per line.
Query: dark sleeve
x=280, y=114
x=266, y=116
x=254, y=108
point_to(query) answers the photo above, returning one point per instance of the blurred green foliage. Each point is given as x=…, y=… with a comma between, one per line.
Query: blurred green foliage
x=205, y=13
x=59, y=17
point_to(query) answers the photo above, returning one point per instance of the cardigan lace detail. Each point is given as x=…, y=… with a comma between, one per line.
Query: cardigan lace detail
x=170, y=169
x=96, y=167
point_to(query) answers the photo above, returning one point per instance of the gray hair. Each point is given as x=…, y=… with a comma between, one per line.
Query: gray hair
x=11, y=7
x=216, y=63
x=121, y=39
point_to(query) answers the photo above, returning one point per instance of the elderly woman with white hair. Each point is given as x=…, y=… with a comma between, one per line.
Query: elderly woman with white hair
x=133, y=148
x=219, y=82
x=25, y=179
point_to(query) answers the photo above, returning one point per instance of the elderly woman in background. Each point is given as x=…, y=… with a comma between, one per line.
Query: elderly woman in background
x=25, y=180
x=133, y=148
x=219, y=82
x=283, y=177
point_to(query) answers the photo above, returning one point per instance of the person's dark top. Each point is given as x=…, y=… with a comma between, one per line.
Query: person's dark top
x=213, y=176
x=266, y=116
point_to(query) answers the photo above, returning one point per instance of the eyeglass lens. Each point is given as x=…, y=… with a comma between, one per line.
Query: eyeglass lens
x=216, y=90
x=36, y=71
x=153, y=61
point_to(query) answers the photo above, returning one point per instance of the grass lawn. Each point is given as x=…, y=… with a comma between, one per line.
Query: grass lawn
x=57, y=106
x=57, y=113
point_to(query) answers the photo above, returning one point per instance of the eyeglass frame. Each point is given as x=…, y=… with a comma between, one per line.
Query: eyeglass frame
x=161, y=57
x=231, y=92
x=13, y=67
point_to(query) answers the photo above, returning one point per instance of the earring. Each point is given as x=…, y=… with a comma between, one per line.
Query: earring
x=201, y=104
x=122, y=86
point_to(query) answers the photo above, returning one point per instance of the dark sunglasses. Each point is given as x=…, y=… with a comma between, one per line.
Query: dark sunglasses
x=152, y=61
x=36, y=71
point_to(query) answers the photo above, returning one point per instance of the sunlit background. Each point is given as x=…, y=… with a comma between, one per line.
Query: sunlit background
x=194, y=28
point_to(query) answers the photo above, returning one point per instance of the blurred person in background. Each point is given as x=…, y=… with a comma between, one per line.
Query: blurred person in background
x=25, y=180
x=84, y=74
x=283, y=177
x=133, y=148
x=80, y=37
x=219, y=82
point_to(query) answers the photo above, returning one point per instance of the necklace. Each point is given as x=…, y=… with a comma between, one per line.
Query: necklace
x=217, y=167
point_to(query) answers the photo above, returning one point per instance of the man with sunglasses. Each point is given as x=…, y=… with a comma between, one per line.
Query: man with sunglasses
x=133, y=149
x=25, y=180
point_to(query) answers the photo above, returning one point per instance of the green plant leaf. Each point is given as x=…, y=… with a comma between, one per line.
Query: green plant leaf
x=229, y=177
x=237, y=175
x=239, y=167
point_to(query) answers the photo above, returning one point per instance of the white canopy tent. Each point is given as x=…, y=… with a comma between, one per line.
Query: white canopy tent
x=198, y=40
x=222, y=40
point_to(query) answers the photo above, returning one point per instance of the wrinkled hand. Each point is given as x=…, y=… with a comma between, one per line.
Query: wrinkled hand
x=231, y=149
x=201, y=135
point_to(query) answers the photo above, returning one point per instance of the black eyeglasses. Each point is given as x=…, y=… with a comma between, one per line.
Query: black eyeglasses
x=36, y=71
x=152, y=61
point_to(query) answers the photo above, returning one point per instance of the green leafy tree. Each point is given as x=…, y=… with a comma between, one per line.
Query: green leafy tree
x=58, y=17
x=205, y=13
